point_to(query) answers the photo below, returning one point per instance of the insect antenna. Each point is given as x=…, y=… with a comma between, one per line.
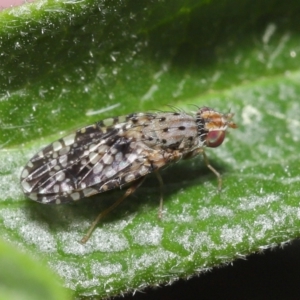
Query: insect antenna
x=198, y=107
x=175, y=109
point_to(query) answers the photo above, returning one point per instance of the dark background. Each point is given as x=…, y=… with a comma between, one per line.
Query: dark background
x=272, y=274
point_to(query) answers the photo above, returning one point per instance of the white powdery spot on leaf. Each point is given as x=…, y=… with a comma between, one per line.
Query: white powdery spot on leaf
x=10, y=162
x=297, y=212
x=70, y=242
x=94, y=282
x=192, y=241
x=32, y=232
x=293, y=122
x=39, y=235
x=232, y=235
x=186, y=215
x=13, y=218
x=8, y=188
x=147, y=235
x=279, y=219
x=250, y=203
x=250, y=115
x=214, y=211
x=101, y=240
x=109, y=241
x=105, y=269
x=289, y=181
x=71, y=272
x=119, y=225
x=261, y=225
x=153, y=260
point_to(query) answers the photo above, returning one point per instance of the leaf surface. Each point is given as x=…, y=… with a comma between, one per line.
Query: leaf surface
x=67, y=64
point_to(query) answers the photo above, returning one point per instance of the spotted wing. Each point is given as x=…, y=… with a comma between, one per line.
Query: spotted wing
x=90, y=161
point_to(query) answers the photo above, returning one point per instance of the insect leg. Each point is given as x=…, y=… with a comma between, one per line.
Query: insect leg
x=212, y=169
x=128, y=192
x=161, y=185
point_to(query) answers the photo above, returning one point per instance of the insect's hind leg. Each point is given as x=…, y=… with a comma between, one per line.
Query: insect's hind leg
x=128, y=192
x=208, y=165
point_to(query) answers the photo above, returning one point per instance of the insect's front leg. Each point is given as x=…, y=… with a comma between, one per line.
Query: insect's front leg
x=206, y=161
x=219, y=177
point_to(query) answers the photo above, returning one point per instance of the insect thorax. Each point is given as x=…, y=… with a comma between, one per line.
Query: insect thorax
x=172, y=131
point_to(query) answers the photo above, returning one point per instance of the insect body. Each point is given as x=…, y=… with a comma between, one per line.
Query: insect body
x=119, y=151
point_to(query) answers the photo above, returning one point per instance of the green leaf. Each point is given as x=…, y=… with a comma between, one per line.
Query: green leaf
x=23, y=278
x=67, y=64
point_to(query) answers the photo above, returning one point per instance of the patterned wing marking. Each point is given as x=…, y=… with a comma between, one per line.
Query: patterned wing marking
x=121, y=158
x=51, y=171
x=79, y=165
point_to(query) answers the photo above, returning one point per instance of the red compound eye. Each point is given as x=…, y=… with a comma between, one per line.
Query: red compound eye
x=215, y=138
